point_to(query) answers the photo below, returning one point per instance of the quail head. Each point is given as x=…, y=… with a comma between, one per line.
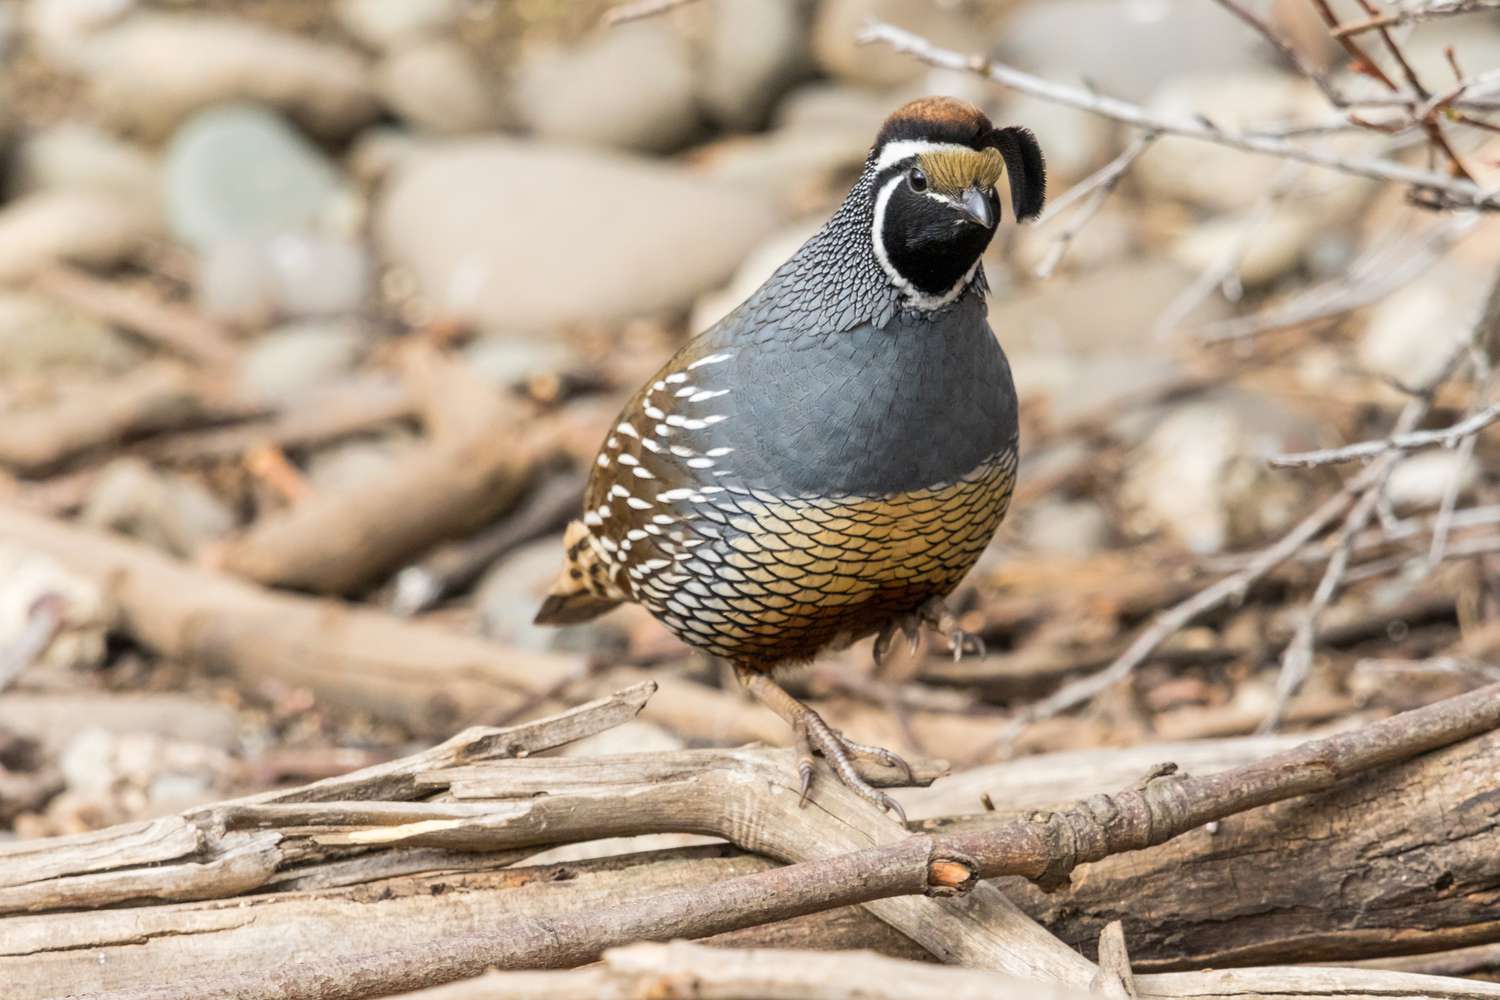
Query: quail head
x=829, y=460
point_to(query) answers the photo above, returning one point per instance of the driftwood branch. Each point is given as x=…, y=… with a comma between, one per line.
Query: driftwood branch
x=650, y=971
x=428, y=678
x=149, y=399
x=654, y=970
x=474, y=468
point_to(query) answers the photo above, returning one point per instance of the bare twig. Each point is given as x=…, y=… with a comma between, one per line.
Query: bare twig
x=458, y=564
x=1418, y=12
x=1228, y=589
x=639, y=9
x=1098, y=186
x=1376, y=275
x=1223, y=273
x=178, y=328
x=42, y=625
x=1447, y=437
x=1453, y=192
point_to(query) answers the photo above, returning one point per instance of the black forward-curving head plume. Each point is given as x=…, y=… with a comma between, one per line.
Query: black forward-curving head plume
x=1027, y=168
x=932, y=175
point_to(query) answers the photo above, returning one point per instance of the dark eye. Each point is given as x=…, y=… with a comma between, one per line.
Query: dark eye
x=916, y=179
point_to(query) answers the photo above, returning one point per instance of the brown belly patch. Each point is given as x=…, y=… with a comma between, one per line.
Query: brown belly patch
x=767, y=580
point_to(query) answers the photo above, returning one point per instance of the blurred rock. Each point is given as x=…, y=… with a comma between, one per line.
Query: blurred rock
x=153, y=70
x=750, y=52
x=1126, y=47
x=1077, y=385
x=1303, y=27
x=1110, y=311
x=293, y=275
x=822, y=104
x=1274, y=246
x=1073, y=528
x=1420, y=481
x=1113, y=233
x=1412, y=333
x=1201, y=477
x=803, y=169
x=840, y=56
x=507, y=360
x=630, y=87
x=379, y=150
x=510, y=593
x=77, y=156
x=27, y=576
x=759, y=264
x=388, y=24
x=1223, y=179
x=60, y=27
x=1426, y=49
x=293, y=359
x=37, y=334
x=85, y=227
x=436, y=85
x=172, y=512
x=241, y=172
x=115, y=777
x=345, y=468
x=1075, y=141
x=10, y=18
x=519, y=236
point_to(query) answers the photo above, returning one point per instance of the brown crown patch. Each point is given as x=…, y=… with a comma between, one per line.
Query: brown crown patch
x=953, y=170
x=937, y=119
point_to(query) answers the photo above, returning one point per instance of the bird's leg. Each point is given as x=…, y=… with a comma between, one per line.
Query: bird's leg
x=812, y=734
x=934, y=614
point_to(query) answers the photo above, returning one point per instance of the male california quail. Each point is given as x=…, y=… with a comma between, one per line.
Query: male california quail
x=829, y=460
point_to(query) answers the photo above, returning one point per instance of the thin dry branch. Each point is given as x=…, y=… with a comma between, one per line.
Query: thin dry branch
x=1446, y=437
x=1229, y=589
x=637, y=10
x=1418, y=12
x=1098, y=187
x=1453, y=192
x=149, y=399
x=180, y=329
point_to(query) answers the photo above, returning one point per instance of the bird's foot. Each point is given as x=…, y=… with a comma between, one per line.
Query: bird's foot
x=813, y=735
x=935, y=616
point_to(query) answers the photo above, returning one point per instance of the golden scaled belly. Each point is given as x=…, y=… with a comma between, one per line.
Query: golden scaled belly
x=776, y=579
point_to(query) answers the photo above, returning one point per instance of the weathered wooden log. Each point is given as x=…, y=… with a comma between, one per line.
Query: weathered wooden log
x=413, y=891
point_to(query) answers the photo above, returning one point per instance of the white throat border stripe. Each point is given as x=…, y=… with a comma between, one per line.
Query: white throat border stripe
x=913, y=296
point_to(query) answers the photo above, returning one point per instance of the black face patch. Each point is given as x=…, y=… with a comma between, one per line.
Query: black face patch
x=931, y=243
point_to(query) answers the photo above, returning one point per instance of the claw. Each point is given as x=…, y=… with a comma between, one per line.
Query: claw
x=837, y=750
x=804, y=764
x=933, y=615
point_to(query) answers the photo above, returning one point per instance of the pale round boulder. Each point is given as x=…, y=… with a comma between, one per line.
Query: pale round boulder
x=521, y=236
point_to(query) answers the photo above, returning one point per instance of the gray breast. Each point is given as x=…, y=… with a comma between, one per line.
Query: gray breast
x=921, y=400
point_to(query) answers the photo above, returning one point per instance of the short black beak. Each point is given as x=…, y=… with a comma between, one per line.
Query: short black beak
x=977, y=207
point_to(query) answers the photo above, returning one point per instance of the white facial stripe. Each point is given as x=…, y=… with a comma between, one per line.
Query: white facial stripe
x=881, y=200
x=895, y=152
x=914, y=295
